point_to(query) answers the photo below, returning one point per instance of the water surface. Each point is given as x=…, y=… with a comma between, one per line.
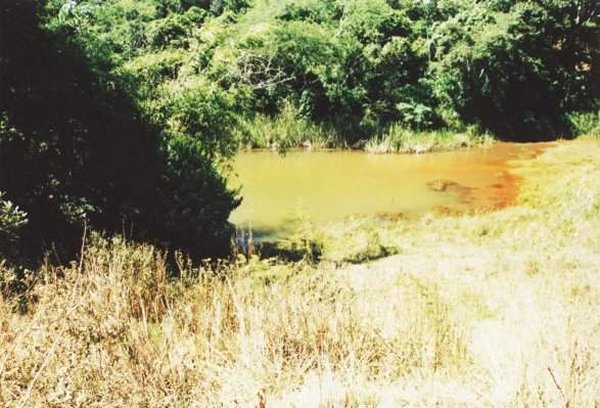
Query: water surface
x=279, y=191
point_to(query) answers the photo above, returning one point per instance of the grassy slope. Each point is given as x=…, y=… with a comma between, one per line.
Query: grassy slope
x=498, y=309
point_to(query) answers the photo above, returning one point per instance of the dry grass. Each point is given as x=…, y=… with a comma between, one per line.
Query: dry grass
x=489, y=310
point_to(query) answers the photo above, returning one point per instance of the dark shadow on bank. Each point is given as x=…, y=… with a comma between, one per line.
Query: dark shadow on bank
x=276, y=243
x=78, y=152
x=527, y=110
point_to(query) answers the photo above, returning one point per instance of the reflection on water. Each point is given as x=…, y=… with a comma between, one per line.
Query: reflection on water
x=279, y=191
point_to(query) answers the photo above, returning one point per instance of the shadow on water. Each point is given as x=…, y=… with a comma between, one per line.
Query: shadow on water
x=287, y=244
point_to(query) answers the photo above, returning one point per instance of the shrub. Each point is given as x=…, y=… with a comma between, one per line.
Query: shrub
x=12, y=219
x=585, y=123
x=76, y=148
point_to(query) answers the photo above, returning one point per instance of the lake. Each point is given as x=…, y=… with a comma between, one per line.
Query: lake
x=279, y=191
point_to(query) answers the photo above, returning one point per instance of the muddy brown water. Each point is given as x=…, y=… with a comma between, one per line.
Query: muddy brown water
x=281, y=191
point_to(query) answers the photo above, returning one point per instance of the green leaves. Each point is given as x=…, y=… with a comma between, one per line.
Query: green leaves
x=102, y=132
x=454, y=61
x=203, y=112
x=509, y=71
x=12, y=218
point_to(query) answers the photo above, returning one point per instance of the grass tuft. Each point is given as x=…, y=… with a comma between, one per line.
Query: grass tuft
x=398, y=139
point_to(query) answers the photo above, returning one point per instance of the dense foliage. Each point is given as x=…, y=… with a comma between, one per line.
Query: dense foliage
x=122, y=113
x=510, y=67
x=75, y=150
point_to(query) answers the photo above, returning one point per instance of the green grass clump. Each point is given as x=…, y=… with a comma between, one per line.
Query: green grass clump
x=585, y=124
x=289, y=129
x=286, y=130
x=399, y=139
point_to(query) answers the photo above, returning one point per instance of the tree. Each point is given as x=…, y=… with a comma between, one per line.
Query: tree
x=515, y=72
x=77, y=151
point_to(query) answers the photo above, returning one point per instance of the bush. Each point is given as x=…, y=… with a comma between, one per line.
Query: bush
x=12, y=219
x=75, y=149
x=585, y=124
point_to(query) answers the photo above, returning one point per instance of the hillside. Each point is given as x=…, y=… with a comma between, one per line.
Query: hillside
x=496, y=309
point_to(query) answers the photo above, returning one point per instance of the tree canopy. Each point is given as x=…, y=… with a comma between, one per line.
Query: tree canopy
x=513, y=68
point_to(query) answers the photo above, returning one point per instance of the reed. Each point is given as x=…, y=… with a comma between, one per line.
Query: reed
x=399, y=139
x=287, y=130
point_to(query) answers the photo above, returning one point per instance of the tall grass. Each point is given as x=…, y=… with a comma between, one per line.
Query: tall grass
x=288, y=129
x=585, y=124
x=496, y=309
x=399, y=139
x=117, y=332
